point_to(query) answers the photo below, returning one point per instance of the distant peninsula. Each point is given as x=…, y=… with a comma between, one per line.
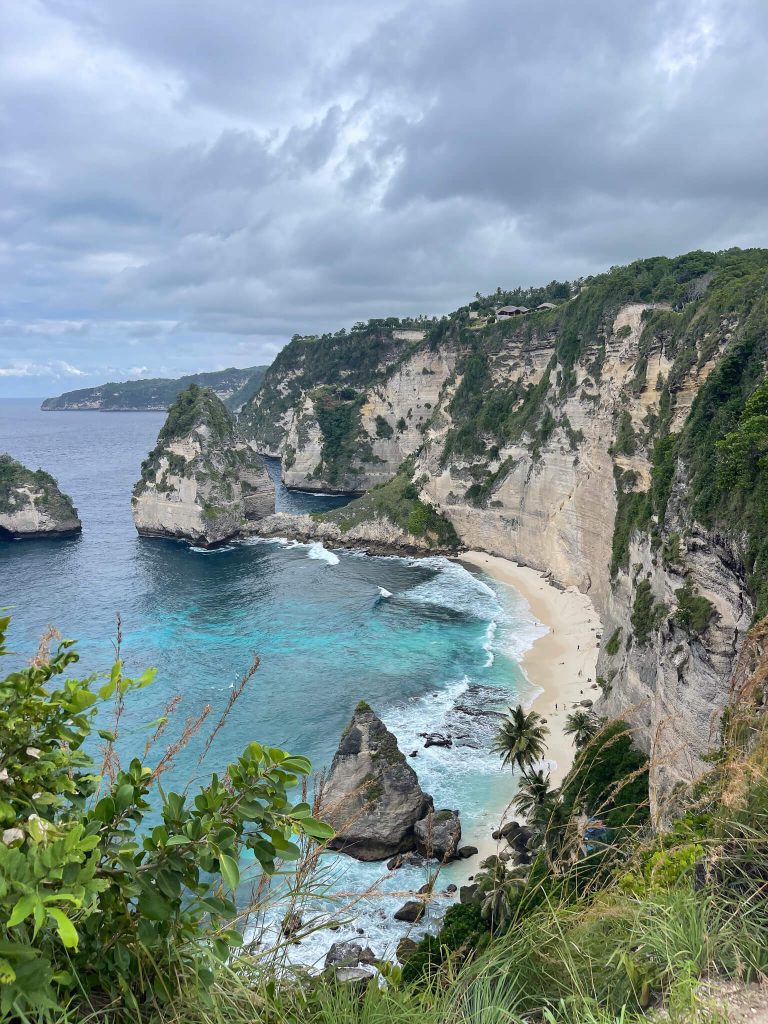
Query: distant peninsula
x=234, y=387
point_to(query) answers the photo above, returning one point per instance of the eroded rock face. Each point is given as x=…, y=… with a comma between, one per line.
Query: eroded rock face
x=372, y=796
x=31, y=504
x=201, y=483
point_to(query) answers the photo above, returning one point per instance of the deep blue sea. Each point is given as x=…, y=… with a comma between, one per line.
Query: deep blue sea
x=427, y=643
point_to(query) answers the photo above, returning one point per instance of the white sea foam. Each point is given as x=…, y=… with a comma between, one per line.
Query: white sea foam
x=212, y=551
x=317, y=551
x=455, y=588
x=383, y=592
x=490, y=633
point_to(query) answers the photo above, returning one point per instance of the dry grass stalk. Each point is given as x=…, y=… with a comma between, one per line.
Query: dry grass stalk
x=191, y=727
x=233, y=697
x=43, y=655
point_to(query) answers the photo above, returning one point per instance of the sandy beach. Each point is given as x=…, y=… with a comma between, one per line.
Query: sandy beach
x=562, y=662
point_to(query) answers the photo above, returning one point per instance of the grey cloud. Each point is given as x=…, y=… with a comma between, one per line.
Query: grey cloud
x=196, y=182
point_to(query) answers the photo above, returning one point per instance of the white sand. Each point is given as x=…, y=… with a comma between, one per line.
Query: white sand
x=562, y=663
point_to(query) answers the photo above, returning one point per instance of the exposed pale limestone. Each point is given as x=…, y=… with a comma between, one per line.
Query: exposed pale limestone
x=205, y=486
x=31, y=504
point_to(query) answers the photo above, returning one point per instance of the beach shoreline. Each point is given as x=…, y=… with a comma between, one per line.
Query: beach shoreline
x=560, y=664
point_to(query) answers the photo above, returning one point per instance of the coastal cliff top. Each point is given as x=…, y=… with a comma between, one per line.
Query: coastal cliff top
x=195, y=408
x=20, y=486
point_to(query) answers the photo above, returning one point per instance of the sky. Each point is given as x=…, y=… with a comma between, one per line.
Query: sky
x=184, y=184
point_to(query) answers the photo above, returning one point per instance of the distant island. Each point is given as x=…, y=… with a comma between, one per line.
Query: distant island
x=234, y=387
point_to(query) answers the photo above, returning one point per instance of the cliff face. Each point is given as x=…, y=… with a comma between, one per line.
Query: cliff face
x=201, y=483
x=31, y=504
x=342, y=412
x=583, y=441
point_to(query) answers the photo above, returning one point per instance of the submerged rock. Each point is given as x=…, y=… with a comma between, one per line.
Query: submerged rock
x=31, y=504
x=406, y=860
x=201, y=483
x=411, y=912
x=438, y=835
x=372, y=796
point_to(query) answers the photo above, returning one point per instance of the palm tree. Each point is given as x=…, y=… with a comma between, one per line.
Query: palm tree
x=534, y=792
x=498, y=889
x=521, y=738
x=582, y=725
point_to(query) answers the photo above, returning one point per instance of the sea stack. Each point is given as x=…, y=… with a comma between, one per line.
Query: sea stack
x=372, y=796
x=31, y=504
x=201, y=483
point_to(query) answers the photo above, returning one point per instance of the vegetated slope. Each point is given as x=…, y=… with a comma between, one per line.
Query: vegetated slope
x=608, y=441
x=343, y=410
x=31, y=504
x=234, y=387
x=201, y=482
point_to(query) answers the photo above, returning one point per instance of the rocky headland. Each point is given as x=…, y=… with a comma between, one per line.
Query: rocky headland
x=602, y=439
x=31, y=504
x=201, y=483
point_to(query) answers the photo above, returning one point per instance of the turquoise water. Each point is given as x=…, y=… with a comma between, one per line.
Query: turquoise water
x=428, y=644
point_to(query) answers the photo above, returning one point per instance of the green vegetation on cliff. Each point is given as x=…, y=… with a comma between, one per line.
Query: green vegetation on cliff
x=397, y=502
x=234, y=386
x=14, y=475
x=197, y=410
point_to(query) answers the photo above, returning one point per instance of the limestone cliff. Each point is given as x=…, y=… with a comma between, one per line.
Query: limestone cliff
x=31, y=504
x=201, y=483
x=609, y=440
x=343, y=411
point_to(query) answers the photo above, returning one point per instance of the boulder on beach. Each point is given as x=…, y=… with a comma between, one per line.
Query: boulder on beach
x=372, y=796
x=465, y=852
x=438, y=834
x=349, y=954
x=405, y=949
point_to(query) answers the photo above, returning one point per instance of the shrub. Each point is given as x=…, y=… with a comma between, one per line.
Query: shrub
x=111, y=888
x=612, y=647
x=646, y=613
x=694, y=612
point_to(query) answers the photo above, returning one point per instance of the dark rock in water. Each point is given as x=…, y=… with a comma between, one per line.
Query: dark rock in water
x=356, y=978
x=469, y=894
x=438, y=835
x=349, y=954
x=436, y=739
x=406, y=860
x=465, y=852
x=291, y=924
x=372, y=797
x=425, y=889
x=414, y=753
x=412, y=911
x=405, y=949
x=451, y=888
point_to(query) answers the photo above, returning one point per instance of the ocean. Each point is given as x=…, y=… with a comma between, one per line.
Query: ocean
x=428, y=644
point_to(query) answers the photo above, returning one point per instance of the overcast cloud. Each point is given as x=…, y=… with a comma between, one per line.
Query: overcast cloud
x=184, y=184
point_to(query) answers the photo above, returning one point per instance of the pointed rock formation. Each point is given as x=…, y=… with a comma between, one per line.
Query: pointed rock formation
x=31, y=504
x=438, y=835
x=201, y=482
x=372, y=796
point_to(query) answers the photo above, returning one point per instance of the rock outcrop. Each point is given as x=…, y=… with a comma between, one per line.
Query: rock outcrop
x=31, y=504
x=201, y=483
x=372, y=796
x=438, y=835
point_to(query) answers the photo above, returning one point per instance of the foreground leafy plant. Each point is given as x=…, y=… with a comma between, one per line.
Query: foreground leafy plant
x=108, y=897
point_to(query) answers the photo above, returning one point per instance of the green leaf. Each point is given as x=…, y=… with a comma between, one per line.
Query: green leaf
x=22, y=910
x=65, y=928
x=153, y=906
x=230, y=872
x=316, y=829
